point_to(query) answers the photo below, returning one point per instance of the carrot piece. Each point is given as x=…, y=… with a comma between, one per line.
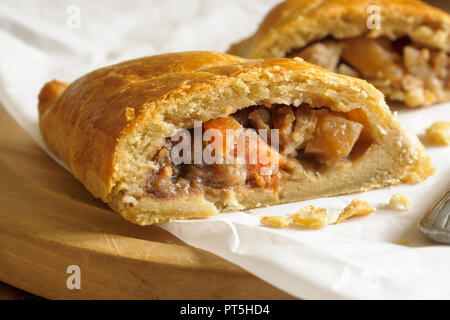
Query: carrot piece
x=228, y=129
x=262, y=161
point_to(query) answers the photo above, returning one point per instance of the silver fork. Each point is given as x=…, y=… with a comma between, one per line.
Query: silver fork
x=435, y=225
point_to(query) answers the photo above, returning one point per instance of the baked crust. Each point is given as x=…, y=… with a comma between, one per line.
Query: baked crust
x=412, y=40
x=109, y=124
x=296, y=23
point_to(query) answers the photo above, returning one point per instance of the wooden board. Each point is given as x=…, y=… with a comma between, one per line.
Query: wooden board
x=48, y=221
x=8, y=292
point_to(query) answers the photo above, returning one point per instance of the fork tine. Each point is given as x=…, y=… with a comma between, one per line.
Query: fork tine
x=435, y=225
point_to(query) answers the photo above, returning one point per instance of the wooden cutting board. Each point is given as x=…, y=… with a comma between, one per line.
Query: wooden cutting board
x=48, y=221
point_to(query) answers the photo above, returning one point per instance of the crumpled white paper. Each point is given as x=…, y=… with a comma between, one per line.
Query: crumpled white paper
x=43, y=40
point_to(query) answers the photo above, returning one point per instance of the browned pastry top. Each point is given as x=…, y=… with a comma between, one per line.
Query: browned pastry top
x=108, y=125
x=295, y=23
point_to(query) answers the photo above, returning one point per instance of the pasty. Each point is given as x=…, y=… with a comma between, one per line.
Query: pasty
x=141, y=134
x=400, y=46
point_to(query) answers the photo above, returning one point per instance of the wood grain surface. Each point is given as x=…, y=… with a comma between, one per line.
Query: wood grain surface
x=8, y=292
x=48, y=221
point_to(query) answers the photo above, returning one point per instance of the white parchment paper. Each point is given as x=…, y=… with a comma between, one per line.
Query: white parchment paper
x=44, y=40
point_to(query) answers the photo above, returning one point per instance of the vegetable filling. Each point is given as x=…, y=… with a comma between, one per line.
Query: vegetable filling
x=257, y=147
x=402, y=70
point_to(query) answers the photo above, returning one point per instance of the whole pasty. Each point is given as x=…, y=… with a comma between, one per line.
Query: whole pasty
x=123, y=131
x=400, y=46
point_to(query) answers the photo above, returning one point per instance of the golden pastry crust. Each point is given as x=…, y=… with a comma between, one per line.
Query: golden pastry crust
x=439, y=133
x=406, y=55
x=318, y=218
x=109, y=124
x=296, y=23
x=355, y=208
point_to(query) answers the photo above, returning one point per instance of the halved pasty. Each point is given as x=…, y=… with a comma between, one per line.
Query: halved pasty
x=400, y=46
x=278, y=130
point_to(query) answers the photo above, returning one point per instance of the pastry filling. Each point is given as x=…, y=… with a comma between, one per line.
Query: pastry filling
x=257, y=147
x=401, y=69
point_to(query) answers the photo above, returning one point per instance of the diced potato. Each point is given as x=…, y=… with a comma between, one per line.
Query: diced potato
x=374, y=58
x=334, y=138
x=357, y=115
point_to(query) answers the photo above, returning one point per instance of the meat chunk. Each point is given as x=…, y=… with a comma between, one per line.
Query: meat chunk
x=325, y=54
x=440, y=64
x=245, y=158
x=428, y=70
x=166, y=183
x=295, y=125
x=418, y=76
x=216, y=175
x=401, y=69
x=283, y=118
x=305, y=125
x=346, y=70
x=417, y=62
x=261, y=119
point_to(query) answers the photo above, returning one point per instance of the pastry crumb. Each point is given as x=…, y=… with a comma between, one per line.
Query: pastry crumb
x=355, y=208
x=311, y=217
x=276, y=221
x=400, y=202
x=318, y=218
x=439, y=132
x=402, y=242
